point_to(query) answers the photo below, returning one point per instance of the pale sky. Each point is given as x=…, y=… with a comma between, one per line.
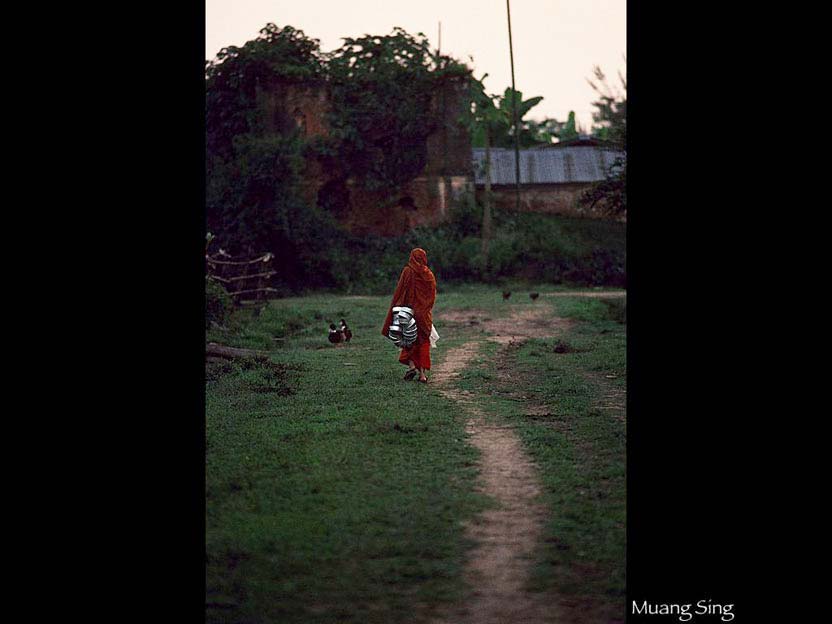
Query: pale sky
x=556, y=42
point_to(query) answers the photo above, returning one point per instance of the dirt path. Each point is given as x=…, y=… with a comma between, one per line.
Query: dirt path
x=506, y=536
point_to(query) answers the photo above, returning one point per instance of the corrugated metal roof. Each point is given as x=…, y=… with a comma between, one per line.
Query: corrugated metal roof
x=546, y=166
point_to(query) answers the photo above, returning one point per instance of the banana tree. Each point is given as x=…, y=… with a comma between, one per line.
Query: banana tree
x=500, y=120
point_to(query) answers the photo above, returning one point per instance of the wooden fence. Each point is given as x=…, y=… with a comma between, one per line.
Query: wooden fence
x=247, y=280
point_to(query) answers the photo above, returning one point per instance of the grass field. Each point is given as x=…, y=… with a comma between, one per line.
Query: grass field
x=336, y=491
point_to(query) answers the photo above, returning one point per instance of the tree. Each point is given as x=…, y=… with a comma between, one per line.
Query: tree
x=233, y=78
x=501, y=125
x=253, y=198
x=610, y=193
x=550, y=130
x=382, y=88
x=610, y=119
x=610, y=114
x=252, y=178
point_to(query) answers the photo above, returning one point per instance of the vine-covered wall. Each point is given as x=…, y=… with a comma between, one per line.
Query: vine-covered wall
x=388, y=210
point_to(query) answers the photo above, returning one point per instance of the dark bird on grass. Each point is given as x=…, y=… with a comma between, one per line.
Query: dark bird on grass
x=506, y=294
x=345, y=331
x=334, y=335
x=534, y=296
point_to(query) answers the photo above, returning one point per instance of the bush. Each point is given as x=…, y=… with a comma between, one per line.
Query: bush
x=218, y=305
x=539, y=248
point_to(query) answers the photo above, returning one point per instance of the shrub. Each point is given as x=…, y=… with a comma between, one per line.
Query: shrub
x=218, y=304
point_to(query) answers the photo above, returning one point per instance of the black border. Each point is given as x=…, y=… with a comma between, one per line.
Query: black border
x=699, y=347
x=149, y=312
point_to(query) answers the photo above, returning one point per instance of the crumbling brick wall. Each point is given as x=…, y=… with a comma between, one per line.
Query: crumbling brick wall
x=287, y=106
x=425, y=200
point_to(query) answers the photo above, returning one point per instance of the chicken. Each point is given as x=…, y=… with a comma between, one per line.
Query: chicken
x=345, y=331
x=334, y=335
x=506, y=294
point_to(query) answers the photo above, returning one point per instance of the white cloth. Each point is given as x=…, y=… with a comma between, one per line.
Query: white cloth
x=434, y=336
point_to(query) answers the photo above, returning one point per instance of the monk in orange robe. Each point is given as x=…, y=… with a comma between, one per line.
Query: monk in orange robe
x=416, y=289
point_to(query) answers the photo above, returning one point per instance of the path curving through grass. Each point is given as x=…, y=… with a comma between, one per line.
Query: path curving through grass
x=507, y=535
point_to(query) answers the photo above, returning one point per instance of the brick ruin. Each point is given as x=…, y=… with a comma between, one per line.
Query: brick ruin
x=425, y=200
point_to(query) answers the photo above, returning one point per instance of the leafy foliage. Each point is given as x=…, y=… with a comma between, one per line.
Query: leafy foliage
x=234, y=77
x=610, y=117
x=494, y=115
x=218, y=305
x=610, y=114
x=551, y=130
x=382, y=89
x=610, y=193
x=253, y=199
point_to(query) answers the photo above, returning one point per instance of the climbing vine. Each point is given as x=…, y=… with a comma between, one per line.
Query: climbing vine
x=382, y=90
x=233, y=78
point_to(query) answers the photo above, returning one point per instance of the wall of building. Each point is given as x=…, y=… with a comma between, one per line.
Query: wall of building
x=424, y=201
x=449, y=147
x=559, y=199
x=287, y=106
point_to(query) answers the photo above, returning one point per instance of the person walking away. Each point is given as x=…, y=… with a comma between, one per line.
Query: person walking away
x=415, y=289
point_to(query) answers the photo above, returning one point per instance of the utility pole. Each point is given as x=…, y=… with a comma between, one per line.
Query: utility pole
x=516, y=123
x=444, y=111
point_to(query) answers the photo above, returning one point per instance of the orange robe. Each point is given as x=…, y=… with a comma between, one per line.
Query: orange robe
x=416, y=289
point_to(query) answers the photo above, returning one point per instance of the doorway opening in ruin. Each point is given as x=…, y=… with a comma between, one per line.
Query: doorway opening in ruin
x=406, y=202
x=299, y=117
x=334, y=197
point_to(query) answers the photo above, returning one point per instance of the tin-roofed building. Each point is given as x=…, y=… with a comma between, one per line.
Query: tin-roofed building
x=551, y=177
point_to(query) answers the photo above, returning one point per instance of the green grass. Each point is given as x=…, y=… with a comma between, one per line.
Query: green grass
x=334, y=492
x=337, y=492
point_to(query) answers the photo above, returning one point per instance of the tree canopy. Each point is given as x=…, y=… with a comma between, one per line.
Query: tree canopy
x=233, y=78
x=494, y=115
x=381, y=89
x=610, y=117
